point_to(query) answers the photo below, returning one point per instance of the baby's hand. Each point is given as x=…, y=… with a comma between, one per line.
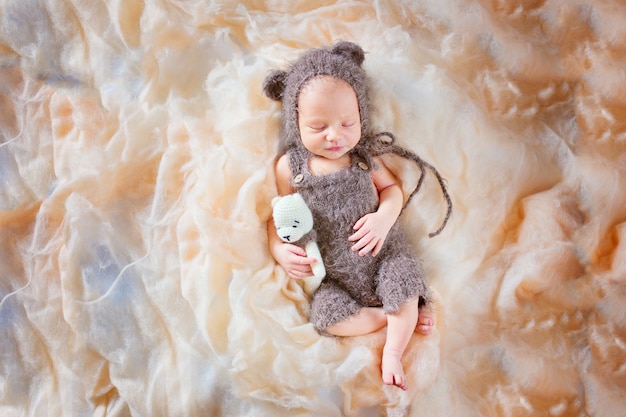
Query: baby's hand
x=371, y=233
x=294, y=261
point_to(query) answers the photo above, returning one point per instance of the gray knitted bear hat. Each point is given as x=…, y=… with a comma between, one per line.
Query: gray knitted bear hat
x=341, y=61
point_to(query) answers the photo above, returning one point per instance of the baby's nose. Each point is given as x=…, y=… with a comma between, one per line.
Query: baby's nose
x=332, y=134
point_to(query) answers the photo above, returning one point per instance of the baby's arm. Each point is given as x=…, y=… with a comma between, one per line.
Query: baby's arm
x=372, y=229
x=292, y=258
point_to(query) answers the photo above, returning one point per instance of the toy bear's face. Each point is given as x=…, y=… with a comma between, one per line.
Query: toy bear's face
x=291, y=233
x=292, y=217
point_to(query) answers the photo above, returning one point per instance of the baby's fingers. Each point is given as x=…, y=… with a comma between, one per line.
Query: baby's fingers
x=360, y=223
x=357, y=236
x=300, y=273
x=298, y=251
x=300, y=266
x=361, y=242
x=365, y=246
x=377, y=248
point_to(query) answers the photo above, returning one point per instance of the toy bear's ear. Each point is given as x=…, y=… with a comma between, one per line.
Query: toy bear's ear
x=274, y=84
x=350, y=50
x=275, y=200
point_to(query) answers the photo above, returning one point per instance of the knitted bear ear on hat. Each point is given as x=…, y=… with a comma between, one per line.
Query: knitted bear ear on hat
x=274, y=84
x=350, y=50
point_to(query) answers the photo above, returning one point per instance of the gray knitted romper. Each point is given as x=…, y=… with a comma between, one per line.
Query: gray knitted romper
x=337, y=201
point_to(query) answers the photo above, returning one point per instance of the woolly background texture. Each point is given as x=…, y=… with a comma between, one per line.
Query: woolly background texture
x=136, y=148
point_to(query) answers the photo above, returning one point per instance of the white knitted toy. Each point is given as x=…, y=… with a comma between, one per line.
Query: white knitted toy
x=294, y=221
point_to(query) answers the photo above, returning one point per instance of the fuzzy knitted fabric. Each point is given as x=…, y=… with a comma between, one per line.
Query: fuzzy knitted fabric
x=387, y=280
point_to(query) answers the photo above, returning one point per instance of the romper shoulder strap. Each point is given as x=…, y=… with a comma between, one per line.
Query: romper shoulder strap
x=298, y=163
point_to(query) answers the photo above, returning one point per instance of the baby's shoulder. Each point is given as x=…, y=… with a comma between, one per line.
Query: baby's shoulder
x=283, y=167
x=282, y=170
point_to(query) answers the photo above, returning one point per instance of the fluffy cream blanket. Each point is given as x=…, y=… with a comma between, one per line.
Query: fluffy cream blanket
x=136, y=152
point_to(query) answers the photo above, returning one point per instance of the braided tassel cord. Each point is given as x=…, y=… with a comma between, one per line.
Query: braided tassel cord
x=382, y=147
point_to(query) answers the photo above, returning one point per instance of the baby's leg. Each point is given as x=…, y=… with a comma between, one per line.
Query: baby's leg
x=335, y=312
x=400, y=328
x=366, y=321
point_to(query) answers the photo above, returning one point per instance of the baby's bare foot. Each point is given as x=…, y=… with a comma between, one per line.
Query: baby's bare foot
x=425, y=320
x=393, y=373
x=424, y=325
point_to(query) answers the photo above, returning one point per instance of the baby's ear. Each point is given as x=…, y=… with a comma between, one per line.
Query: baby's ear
x=274, y=84
x=350, y=50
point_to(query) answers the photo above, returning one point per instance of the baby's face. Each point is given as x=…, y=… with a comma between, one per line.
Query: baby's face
x=328, y=117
